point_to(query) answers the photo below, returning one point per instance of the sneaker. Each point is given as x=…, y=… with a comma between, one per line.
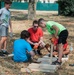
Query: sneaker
x=71, y=65
x=1, y=54
x=5, y=52
x=56, y=63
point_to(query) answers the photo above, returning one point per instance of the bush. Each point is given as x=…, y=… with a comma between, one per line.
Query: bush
x=66, y=7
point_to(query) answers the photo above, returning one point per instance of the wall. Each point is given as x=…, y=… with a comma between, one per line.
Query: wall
x=40, y=6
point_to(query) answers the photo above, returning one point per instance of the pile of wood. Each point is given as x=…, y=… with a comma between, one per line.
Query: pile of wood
x=44, y=66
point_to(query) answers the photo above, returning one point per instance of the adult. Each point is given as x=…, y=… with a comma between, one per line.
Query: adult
x=36, y=37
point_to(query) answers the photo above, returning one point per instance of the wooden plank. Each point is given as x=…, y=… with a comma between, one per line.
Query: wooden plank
x=51, y=53
x=26, y=70
x=41, y=70
x=46, y=59
x=43, y=66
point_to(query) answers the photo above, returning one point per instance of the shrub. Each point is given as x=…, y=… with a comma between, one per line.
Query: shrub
x=66, y=7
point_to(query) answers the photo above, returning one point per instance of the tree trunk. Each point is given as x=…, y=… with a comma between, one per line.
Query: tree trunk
x=32, y=9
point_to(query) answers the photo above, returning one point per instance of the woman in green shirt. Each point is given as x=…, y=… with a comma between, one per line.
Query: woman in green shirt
x=58, y=31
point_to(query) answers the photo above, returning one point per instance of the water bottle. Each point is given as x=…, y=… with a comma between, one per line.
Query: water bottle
x=71, y=47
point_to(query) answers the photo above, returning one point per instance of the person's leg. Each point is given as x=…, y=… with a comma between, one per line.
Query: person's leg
x=4, y=40
x=60, y=53
x=5, y=43
x=61, y=41
x=41, y=46
x=4, y=50
x=1, y=41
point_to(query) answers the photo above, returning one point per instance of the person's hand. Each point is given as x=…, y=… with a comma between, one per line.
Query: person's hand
x=11, y=34
x=41, y=45
x=35, y=47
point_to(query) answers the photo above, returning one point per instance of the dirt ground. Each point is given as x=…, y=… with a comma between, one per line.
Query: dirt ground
x=19, y=23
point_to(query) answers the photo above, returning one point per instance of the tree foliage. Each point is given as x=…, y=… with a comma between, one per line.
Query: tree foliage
x=66, y=7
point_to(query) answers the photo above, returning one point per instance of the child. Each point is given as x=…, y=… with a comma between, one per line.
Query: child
x=66, y=49
x=58, y=31
x=22, y=49
x=6, y=22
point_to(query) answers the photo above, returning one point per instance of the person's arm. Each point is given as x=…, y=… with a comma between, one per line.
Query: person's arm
x=32, y=53
x=28, y=40
x=41, y=39
x=29, y=49
x=56, y=29
x=10, y=26
x=41, y=36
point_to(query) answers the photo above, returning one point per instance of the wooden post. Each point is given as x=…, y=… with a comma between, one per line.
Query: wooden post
x=51, y=53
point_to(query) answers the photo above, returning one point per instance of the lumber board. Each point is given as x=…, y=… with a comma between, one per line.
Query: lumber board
x=41, y=70
x=43, y=67
x=51, y=58
x=46, y=59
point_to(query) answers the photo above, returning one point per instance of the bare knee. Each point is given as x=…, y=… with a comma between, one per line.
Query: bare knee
x=3, y=38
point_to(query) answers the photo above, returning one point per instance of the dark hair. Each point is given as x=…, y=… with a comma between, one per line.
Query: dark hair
x=35, y=22
x=39, y=21
x=25, y=34
x=7, y=1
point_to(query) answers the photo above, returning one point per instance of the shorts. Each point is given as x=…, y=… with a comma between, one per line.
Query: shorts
x=63, y=37
x=3, y=31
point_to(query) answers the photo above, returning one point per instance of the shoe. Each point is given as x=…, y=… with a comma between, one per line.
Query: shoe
x=5, y=52
x=1, y=54
x=71, y=65
x=56, y=63
x=38, y=51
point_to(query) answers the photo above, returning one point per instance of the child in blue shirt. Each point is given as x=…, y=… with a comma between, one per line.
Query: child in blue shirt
x=21, y=48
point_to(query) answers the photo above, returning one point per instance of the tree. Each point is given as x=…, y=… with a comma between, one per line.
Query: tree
x=32, y=9
x=66, y=7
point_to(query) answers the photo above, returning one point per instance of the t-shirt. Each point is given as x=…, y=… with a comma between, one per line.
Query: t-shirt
x=5, y=16
x=20, y=47
x=35, y=36
x=49, y=25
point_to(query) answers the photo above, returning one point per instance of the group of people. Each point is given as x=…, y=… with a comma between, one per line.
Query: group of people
x=31, y=40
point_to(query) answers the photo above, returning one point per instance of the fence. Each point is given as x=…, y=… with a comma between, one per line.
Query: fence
x=39, y=6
